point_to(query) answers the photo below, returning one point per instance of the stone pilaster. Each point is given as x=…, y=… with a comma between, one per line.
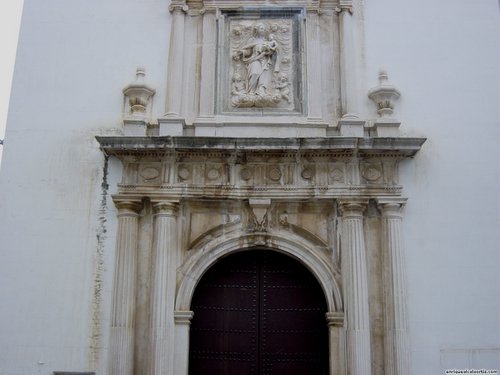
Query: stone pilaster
x=209, y=48
x=175, y=60
x=355, y=280
x=336, y=329
x=181, y=357
x=348, y=85
x=165, y=259
x=395, y=304
x=314, y=66
x=121, y=351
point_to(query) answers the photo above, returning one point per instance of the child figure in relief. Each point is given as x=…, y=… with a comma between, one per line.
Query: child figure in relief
x=238, y=84
x=284, y=86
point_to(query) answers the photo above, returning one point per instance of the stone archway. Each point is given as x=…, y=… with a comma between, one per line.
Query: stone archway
x=295, y=246
x=292, y=246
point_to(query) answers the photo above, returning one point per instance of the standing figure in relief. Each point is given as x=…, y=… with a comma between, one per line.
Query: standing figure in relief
x=259, y=56
x=261, y=64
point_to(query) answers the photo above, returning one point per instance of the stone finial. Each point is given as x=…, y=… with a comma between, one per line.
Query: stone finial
x=138, y=97
x=384, y=95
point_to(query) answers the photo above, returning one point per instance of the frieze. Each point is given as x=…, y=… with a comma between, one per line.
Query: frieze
x=253, y=171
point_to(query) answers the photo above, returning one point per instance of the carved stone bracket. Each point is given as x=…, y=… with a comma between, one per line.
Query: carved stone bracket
x=260, y=210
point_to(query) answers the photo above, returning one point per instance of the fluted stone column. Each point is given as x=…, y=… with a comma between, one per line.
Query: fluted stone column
x=165, y=249
x=121, y=346
x=395, y=303
x=355, y=280
x=175, y=59
x=335, y=322
x=181, y=357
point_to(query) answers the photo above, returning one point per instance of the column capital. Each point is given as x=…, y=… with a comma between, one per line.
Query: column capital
x=183, y=317
x=391, y=207
x=208, y=10
x=178, y=7
x=335, y=319
x=345, y=7
x=127, y=207
x=165, y=208
x=314, y=10
x=352, y=207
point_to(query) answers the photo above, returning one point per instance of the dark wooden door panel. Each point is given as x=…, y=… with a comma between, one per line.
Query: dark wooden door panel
x=258, y=313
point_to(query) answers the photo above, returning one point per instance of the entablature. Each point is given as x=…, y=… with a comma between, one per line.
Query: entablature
x=277, y=168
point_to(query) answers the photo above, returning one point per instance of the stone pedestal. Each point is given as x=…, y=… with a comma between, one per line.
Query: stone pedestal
x=336, y=329
x=387, y=127
x=134, y=128
x=351, y=126
x=181, y=358
x=171, y=126
x=121, y=355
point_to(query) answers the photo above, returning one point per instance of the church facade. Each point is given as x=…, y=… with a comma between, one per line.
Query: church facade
x=285, y=187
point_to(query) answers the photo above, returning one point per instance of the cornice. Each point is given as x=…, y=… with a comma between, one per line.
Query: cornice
x=123, y=145
x=178, y=192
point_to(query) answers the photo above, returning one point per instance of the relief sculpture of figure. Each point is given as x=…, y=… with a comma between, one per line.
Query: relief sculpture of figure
x=259, y=58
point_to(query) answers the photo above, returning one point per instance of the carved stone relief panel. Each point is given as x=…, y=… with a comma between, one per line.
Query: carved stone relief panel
x=371, y=172
x=380, y=171
x=260, y=62
x=336, y=173
x=150, y=173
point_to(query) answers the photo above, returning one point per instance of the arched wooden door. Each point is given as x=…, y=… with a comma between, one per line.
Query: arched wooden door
x=258, y=313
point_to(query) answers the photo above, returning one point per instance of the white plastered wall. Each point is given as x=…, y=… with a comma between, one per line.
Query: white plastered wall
x=74, y=58
x=443, y=56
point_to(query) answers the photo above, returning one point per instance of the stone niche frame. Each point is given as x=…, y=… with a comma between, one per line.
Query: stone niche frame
x=284, y=30
x=334, y=204
x=200, y=70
